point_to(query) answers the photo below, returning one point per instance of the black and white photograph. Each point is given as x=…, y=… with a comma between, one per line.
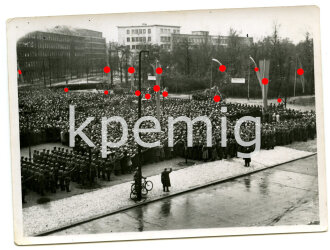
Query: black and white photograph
x=166, y=124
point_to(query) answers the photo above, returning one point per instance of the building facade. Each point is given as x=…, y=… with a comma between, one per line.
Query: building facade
x=200, y=37
x=59, y=55
x=135, y=37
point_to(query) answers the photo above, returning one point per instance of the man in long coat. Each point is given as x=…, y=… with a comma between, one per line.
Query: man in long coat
x=165, y=178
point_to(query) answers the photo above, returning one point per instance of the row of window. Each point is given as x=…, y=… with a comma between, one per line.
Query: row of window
x=144, y=31
x=42, y=45
x=50, y=37
x=48, y=53
x=40, y=63
x=138, y=46
x=60, y=46
x=200, y=40
x=138, y=31
x=165, y=46
x=168, y=31
x=138, y=39
x=31, y=64
x=44, y=53
x=165, y=39
x=142, y=46
x=61, y=38
x=54, y=46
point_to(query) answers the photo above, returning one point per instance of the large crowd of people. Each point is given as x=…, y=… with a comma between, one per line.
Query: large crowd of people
x=44, y=117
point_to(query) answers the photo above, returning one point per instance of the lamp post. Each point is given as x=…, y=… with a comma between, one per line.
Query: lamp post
x=217, y=61
x=110, y=64
x=248, y=87
x=124, y=53
x=138, y=185
x=163, y=86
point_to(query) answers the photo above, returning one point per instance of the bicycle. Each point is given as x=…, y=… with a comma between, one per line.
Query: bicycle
x=145, y=188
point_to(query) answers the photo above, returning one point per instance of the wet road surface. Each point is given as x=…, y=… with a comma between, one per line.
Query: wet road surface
x=284, y=195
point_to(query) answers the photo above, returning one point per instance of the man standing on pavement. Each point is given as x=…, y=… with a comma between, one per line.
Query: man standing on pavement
x=165, y=178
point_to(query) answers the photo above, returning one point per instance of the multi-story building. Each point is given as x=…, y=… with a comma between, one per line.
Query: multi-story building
x=139, y=35
x=200, y=37
x=60, y=55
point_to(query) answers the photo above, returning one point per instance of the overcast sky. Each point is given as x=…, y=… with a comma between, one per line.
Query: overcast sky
x=257, y=22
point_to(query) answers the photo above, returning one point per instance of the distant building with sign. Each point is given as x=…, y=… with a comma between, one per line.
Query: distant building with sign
x=60, y=54
x=135, y=37
x=203, y=37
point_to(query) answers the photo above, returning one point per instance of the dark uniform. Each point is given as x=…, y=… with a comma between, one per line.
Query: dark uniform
x=165, y=179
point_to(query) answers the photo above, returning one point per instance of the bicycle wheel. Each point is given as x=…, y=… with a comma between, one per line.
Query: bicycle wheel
x=133, y=187
x=144, y=191
x=149, y=185
x=133, y=196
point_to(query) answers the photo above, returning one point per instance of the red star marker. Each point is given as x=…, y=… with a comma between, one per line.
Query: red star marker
x=66, y=90
x=147, y=96
x=165, y=93
x=19, y=72
x=279, y=100
x=256, y=69
x=106, y=69
x=137, y=92
x=159, y=71
x=300, y=71
x=156, y=88
x=216, y=98
x=131, y=70
x=222, y=68
x=106, y=92
x=264, y=81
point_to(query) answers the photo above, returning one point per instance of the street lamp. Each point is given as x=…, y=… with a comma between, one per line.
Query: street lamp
x=163, y=86
x=138, y=185
x=217, y=61
x=110, y=63
x=124, y=52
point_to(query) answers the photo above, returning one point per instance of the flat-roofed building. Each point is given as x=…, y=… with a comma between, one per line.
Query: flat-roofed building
x=60, y=54
x=137, y=36
x=200, y=37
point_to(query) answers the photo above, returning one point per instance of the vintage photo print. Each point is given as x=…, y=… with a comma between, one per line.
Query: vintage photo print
x=166, y=124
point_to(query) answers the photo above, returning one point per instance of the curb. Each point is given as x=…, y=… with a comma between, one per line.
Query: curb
x=164, y=197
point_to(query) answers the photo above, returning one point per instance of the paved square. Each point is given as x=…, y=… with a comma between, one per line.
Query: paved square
x=60, y=213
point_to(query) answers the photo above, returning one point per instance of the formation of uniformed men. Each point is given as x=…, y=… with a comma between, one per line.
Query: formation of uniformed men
x=49, y=171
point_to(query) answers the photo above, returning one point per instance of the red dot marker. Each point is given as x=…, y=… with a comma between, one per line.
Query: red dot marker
x=66, y=90
x=222, y=68
x=165, y=93
x=106, y=69
x=19, y=72
x=279, y=100
x=159, y=71
x=137, y=92
x=264, y=81
x=216, y=98
x=131, y=70
x=147, y=96
x=300, y=71
x=106, y=92
x=156, y=88
x=256, y=69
